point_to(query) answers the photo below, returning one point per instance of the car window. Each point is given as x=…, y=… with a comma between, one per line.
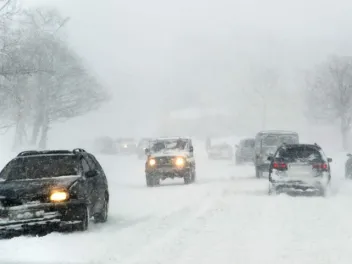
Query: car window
x=85, y=165
x=91, y=163
x=299, y=154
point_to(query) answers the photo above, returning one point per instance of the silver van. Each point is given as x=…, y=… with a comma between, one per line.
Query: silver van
x=266, y=143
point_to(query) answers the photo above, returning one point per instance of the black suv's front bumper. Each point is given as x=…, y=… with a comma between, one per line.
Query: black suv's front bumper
x=41, y=217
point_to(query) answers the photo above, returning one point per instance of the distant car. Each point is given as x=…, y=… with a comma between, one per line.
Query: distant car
x=143, y=144
x=245, y=150
x=266, y=143
x=126, y=146
x=105, y=145
x=299, y=167
x=348, y=167
x=52, y=191
x=170, y=158
x=220, y=151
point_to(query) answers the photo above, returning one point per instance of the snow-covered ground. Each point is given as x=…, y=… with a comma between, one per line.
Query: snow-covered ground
x=225, y=217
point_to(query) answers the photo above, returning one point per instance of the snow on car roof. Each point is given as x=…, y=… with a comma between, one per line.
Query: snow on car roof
x=170, y=138
x=276, y=132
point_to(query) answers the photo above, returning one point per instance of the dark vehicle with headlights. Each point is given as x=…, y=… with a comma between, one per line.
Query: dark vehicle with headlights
x=143, y=144
x=300, y=168
x=54, y=190
x=266, y=144
x=170, y=158
x=245, y=150
x=126, y=146
x=220, y=151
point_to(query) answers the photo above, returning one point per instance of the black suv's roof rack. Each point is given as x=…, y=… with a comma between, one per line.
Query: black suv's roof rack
x=78, y=150
x=315, y=144
x=41, y=152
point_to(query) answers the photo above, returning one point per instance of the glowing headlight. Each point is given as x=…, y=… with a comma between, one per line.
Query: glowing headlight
x=180, y=161
x=125, y=146
x=152, y=162
x=59, y=196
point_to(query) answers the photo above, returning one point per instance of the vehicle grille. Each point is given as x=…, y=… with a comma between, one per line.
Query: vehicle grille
x=164, y=161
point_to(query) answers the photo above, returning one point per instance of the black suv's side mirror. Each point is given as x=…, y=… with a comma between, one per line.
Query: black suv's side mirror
x=91, y=173
x=270, y=158
x=191, y=149
x=329, y=159
x=146, y=151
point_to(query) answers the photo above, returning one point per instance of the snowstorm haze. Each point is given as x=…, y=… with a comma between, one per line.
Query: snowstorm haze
x=160, y=56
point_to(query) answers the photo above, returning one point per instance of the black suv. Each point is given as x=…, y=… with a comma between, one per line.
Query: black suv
x=170, y=158
x=299, y=167
x=52, y=190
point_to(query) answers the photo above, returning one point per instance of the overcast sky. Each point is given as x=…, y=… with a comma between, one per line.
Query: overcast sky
x=161, y=54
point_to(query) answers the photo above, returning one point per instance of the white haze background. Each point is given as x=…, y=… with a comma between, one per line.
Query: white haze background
x=157, y=56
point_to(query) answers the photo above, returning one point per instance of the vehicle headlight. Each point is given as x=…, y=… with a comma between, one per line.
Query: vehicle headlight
x=152, y=162
x=125, y=146
x=180, y=161
x=59, y=196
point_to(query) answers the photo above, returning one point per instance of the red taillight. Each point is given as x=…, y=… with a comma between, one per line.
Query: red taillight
x=321, y=166
x=279, y=166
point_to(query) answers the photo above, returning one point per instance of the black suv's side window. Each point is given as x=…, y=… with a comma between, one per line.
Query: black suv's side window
x=91, y=163
x=97, y=165
x=85, y=165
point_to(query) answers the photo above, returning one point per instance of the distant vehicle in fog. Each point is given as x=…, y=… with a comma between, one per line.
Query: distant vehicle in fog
x=126, y=146
x=245, y=150
x=105, y=145
x=299, y=167
x=143, y=144
x=266, y=144
x=220, y=151
x=170, y=157
x=348, y=167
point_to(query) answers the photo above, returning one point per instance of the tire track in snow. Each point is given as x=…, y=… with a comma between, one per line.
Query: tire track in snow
x=149, y=251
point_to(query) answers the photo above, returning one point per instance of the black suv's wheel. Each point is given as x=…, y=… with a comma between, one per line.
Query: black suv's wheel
x=84, y=218
x=102, y=217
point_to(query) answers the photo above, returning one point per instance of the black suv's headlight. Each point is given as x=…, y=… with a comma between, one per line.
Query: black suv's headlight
x=57, y=196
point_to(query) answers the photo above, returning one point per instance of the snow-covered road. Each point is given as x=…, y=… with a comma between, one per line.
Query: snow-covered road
x=225, y=217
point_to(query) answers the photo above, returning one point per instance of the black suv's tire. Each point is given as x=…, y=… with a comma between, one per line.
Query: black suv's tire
x=102, y=217
x=84, y=218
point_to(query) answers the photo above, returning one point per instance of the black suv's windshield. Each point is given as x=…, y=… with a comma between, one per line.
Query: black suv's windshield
x=40, y=167
x=299, y=154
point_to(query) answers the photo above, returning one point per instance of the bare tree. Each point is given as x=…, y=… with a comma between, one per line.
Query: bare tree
x=41, y=79
x=329, y=95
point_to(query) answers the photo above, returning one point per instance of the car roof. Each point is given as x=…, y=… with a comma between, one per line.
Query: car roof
x=247, y=139
x=276, y=132
x=31, y=153
x=171, y=138
x=301, y=145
